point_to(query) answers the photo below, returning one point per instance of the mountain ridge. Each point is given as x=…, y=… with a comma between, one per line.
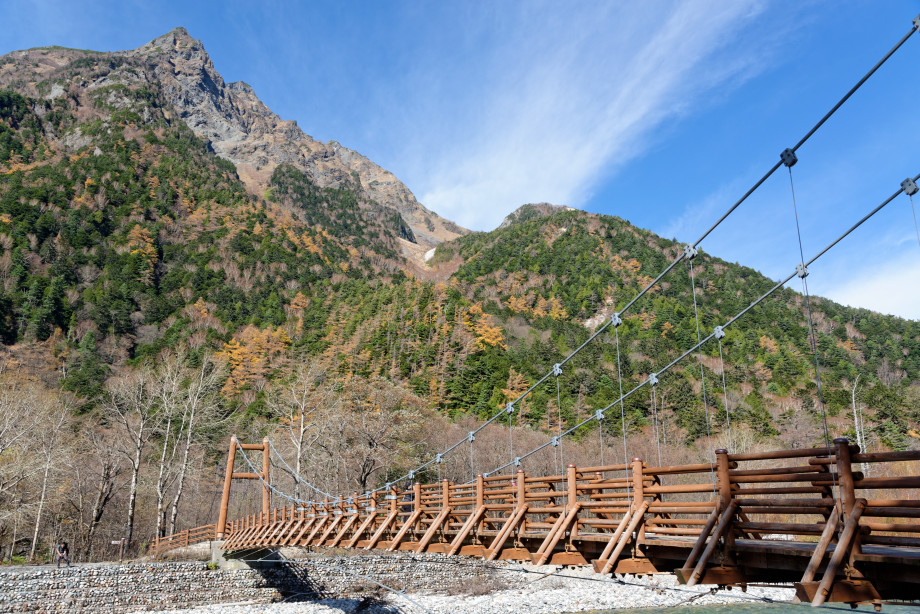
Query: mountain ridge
x=238, y=126
x=123, y=234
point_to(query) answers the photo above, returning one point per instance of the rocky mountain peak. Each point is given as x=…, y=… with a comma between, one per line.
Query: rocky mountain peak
x=532, y=211
x=242, y=129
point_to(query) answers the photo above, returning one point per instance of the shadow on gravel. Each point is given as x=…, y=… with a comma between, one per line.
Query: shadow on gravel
x=294, y=584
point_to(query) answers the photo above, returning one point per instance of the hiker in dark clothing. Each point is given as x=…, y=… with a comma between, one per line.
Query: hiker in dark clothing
x=63, y=553
x=408, y=497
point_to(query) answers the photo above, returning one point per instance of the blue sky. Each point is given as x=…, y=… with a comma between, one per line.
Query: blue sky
x=663, y=113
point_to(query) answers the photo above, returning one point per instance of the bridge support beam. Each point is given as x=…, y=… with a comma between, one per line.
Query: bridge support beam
x=230, y=475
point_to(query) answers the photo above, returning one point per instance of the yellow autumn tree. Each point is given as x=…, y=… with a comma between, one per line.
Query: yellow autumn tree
x=482, y=325
x=251, y=355
x=141, y=243
x=517, y=304
x=769, y=344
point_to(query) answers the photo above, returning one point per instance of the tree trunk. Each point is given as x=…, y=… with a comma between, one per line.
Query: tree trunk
x=41, y=506
x=103, y=495
x=174, y=512
x=132, y=494
x=161, y=482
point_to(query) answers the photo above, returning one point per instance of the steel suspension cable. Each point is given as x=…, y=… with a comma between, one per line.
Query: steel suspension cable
x=729, y=322
x=808, y=135
x=297, y=477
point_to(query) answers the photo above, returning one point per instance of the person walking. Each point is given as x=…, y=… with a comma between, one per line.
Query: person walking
x=63, y=553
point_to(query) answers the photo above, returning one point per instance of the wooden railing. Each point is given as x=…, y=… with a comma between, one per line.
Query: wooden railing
x=183, y=539
x=739, y=512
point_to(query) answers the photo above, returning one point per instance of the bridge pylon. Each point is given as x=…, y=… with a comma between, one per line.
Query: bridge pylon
x=231, y=475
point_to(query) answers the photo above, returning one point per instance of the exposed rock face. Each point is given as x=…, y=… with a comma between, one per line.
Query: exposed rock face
x=531, y=212
x=238, y=126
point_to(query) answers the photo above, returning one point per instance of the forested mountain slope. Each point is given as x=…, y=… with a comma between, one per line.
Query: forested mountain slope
x=125, y=236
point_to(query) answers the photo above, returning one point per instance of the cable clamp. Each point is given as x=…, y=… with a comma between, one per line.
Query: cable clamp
x=352, y=510
x=411, y=475
x=908, y=185
x=557, y=369
x=598, y=415
x=719, y=332
x=391, y=497
x=788, y=157
x=689, y=252
x=485, y=475
x=388, y=486
x=616, y=320
x=653, y=379
x=509, y=408
x=337, y=512
x=517, y=461
x=371, y=510
x=438, y=458
x=471, y=436
x=555, y=442
x=801, y=271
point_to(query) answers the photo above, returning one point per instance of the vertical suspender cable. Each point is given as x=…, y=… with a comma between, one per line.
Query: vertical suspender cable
x=914, y=209
x=510, y=410
x=616, y=330
x=696, y=315
x=655, y=418
x=472, y=470
x=559, y=425
x=728, y=419
x=803, y=273
x=600, y=439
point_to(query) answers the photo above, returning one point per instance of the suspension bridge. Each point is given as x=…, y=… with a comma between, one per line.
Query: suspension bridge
x=796, y=516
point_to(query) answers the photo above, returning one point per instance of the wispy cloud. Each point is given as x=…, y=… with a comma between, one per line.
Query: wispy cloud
x=566, y=99
x=891, y=288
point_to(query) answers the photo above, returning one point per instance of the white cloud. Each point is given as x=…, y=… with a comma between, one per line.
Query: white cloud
x=891, y=288
x=568, y=98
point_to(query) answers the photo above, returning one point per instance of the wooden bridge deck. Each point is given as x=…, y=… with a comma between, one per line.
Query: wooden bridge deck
x=788, y=516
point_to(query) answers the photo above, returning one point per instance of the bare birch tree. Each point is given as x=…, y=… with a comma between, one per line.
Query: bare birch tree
x=133, y=409
x=297, y=404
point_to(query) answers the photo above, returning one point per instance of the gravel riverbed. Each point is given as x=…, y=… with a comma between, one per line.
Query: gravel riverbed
x=543, y=590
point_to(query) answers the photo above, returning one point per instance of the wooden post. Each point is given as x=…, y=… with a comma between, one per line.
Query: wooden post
x=638, y=483
x=480, y=498
x=845, y=475
x=639, y=499
x=522, y=497
x=417, y=495
x=724, y=479
x=847, y=488
x=571, y=497
x=725, y=499
x=225, y=498
x=266, y=461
